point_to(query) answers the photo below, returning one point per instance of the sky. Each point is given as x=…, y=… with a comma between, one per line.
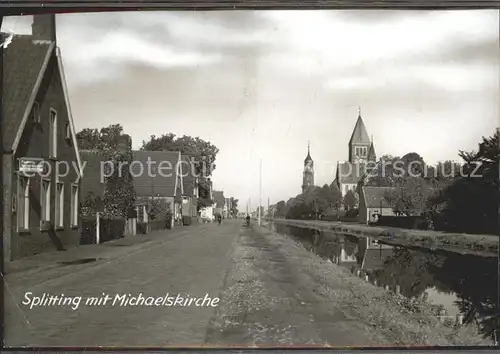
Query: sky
x=260, y=84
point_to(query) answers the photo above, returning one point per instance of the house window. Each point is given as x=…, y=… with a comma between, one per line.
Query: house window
x=59, y=200
x=53, y=134
x=45, y=201
x=68, y=132
x=23, y=207
x=74, y=205
x=35, y=113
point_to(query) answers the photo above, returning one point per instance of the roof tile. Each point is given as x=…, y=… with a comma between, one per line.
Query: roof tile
x=23, y=60
x=155, y=172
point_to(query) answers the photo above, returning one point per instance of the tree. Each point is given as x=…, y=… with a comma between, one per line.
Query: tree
x=280, y=209
x=313, y=203
x=470, y=203
x=107, y=139
x=234, y=206
x=410, y=196
x=115, y=146
x=202, y=152
x=350, y=200
x=383, y=174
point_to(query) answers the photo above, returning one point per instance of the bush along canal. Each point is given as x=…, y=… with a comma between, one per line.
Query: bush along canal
x=461, y=289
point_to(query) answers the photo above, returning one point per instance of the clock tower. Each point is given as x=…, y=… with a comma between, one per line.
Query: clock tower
x=308, y=175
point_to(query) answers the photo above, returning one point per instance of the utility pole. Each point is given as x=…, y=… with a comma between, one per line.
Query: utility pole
x=5, y=256
x=268, y=207
x=260, y=191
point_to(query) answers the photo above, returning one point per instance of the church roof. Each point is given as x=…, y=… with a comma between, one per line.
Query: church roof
x=308, y=157
x=359, y=135
x=371, y=152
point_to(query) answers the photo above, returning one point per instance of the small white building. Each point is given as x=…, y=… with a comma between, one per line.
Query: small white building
x=372, y=203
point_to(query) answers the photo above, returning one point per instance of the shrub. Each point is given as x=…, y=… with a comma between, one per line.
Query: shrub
x=110, y=229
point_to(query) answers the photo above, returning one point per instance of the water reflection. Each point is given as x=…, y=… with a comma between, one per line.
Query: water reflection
x=462, y=286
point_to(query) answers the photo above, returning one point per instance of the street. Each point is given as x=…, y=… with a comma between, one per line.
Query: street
x=272, y=293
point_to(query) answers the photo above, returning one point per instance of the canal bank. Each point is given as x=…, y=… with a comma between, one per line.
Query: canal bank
x=467, y=244
x=459, y=290
x=278, y=293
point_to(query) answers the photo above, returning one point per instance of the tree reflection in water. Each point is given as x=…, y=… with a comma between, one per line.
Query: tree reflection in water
x=472, y=279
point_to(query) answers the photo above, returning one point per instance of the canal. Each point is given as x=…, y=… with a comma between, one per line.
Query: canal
x=461, y=288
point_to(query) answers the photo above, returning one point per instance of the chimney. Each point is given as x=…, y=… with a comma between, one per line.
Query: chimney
x=44, y=27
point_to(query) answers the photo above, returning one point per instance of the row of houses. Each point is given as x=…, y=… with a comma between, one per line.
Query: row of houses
x=222, y=206
x=41, y=206
x=157, y=192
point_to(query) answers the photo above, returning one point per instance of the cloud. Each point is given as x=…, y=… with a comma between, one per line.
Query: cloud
x=264, y=83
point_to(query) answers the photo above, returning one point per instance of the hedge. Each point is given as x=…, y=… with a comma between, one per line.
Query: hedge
x=110, y=229
x=404, y=222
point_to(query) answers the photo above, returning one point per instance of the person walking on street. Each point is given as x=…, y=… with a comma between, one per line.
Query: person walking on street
x=219, y=219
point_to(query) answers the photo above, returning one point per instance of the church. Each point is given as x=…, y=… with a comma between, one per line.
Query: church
x=361, y=155
x=308, y=174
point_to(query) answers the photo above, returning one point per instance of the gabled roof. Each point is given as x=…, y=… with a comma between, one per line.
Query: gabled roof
x=359, y=134
x=24, y=63
x=350, y=173
x=163, y=181
x=375, y=196
x=372, y=156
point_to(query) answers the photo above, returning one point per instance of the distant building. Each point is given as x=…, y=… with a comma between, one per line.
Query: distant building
x=219, y=202
x=372, y=203
x=308, y=174
x=160, y=185
x=361, y=157
x=207, y=213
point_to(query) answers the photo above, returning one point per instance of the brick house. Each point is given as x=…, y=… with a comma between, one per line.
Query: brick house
x=158, y=182
x=40, y=208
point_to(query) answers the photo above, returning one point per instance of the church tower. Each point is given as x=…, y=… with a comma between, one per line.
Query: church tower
x=360, y=145
x=372, y=156
x=308, y=176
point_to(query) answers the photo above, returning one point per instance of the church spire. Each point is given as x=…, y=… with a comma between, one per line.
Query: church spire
x=308, y=157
